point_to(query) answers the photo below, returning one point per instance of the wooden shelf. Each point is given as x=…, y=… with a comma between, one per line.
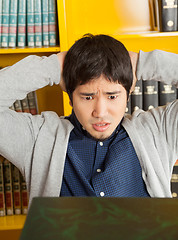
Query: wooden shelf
x=12, y=222
x=29, y=50
x=147, y=34
x=148, y=41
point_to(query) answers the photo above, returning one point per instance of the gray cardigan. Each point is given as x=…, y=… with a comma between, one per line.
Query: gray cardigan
x=37, y=145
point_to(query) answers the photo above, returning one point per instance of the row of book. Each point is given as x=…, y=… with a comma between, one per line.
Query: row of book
x=29, y=23
x=174, y=181
x=164, y=15
x=13, y=189
x=149, y=94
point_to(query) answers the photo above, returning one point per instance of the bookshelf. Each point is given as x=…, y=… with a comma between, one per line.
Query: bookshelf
x=12, y=222
x=120, y=19
x=11, y=226
x=76, y=18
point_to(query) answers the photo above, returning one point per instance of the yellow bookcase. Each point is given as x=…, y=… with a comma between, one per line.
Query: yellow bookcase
x=127, y=20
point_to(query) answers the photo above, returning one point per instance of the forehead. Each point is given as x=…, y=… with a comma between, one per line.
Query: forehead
x=100, y=84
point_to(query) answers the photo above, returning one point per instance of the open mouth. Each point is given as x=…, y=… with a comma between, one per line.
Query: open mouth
x=101, y=127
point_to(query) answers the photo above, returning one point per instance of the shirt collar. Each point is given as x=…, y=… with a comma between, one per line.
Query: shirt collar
x=80, y=132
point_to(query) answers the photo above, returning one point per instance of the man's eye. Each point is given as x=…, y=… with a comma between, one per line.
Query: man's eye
x=88, y=98
x=112, y=97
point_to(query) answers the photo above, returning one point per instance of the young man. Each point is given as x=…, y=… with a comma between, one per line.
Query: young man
x=96, y=151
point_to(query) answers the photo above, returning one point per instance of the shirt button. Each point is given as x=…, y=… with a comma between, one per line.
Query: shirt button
x=101, y=144
x=98, y=170
x=102, y=194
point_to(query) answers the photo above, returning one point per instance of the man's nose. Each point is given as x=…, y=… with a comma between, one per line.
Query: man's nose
x=100, y=108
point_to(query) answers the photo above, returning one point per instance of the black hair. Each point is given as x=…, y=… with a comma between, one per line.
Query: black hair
x=96, y=55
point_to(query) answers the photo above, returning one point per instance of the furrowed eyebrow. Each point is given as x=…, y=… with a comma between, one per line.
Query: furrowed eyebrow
x=92, y=94
x=87, y=94
x=113, y=93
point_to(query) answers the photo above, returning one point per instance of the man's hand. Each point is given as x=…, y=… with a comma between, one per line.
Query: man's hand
x=61, y=57
x=134, y=60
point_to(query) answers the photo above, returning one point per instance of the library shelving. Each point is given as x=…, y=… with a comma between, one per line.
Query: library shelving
x=131, y=25
x=120, y=19
x=11, y=226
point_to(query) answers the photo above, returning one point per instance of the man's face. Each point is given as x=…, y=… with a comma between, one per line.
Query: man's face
x=99, y=106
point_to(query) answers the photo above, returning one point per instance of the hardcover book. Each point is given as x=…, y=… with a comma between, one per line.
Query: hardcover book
x=167, y=93
x=150, y=94
x=52, y=22
x=5, y=23
x=167, y=15
x=16, y=183
x=45, y=28
x=2, y=196
x=7, y=168
x=32, y=102
x=174, y=181
x=30, y=24
x=38, y=23
x=12, y=23
x=24, y=196
x=0, y=20
x=18, y=106
x=137, y=97
x=21, y=36
x=25, y=106
x=12, y=107
x=128, y=108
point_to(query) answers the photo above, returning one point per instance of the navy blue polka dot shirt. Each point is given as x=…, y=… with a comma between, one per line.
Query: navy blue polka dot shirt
x=107, y=168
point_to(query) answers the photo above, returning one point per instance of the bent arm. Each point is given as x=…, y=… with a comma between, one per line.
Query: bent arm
x=162, y=66
x=159, y=66
x=27, y=75
x=18, y=131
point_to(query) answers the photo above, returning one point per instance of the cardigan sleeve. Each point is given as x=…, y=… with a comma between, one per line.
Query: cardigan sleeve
x=159, y=66
x=27, y=75
x=19, y=131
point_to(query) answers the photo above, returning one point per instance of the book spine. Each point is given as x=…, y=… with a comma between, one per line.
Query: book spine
x=21, y=36
x=5, y=23
x=137, y=97
x=32, y=102
x=30, y=24
x=150, y=94
x=38, y=23
x=12, y=23
x=0, y=21
x=18, y=106
x=16, y=182
x=52, y=22
x=2, y=196
x=167, y=93
x=24, y=196
x=153, y=15
x=12, y=107
x=45, y=28
x=167, y=15
x=128, y=108
x=25, y=106
x=174, y=181
x=7, y=167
